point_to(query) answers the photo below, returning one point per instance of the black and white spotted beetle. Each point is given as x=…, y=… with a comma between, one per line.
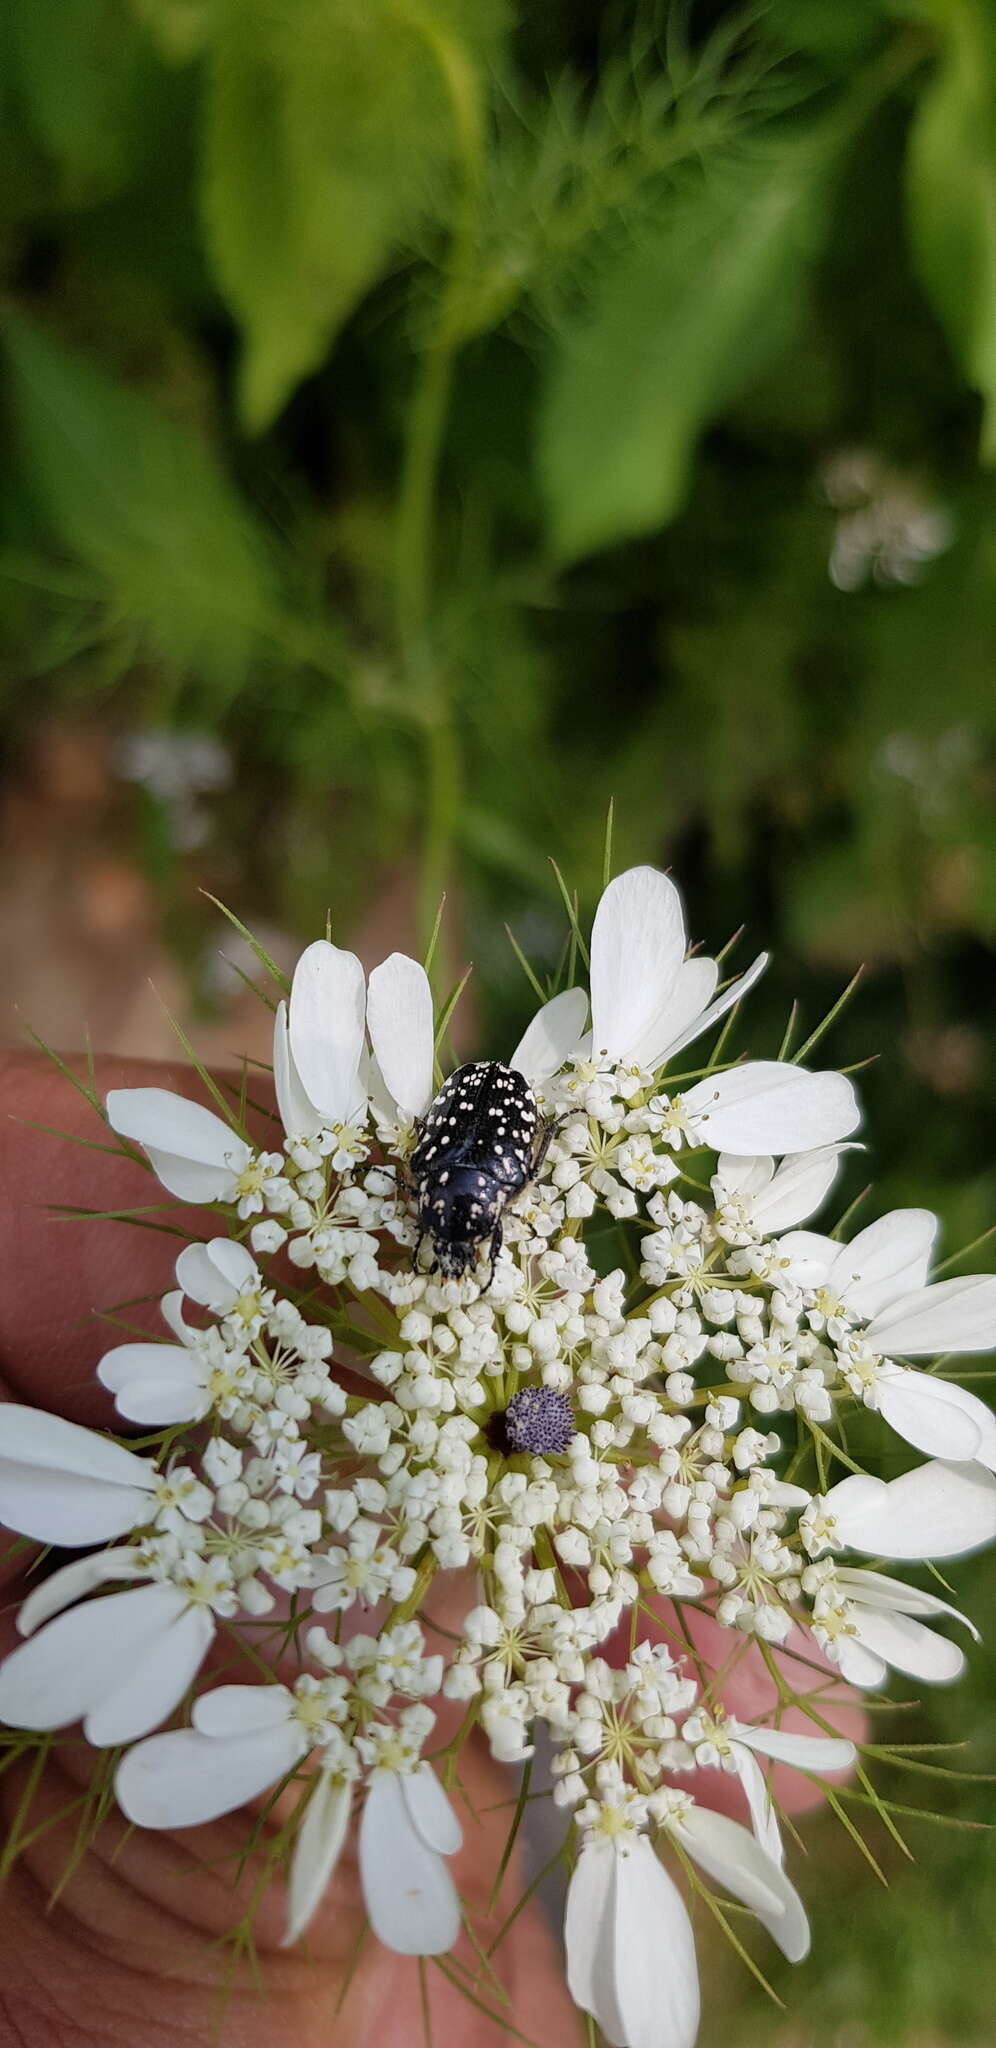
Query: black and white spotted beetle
x=481, y=1141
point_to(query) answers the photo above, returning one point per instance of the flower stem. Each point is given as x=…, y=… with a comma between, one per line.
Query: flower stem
x=419, y=481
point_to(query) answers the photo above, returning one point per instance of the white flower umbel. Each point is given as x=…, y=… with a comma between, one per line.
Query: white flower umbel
x=586, y=1440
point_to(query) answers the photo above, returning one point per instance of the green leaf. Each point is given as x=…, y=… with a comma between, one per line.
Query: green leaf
x=141, y=503
x=330, y=126
x=678, y=325
x=951, y=195
x=79, y=73
x=180, y=28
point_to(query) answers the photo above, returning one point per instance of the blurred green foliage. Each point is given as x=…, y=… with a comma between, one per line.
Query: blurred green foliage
x=456, y=409
x=432, y=402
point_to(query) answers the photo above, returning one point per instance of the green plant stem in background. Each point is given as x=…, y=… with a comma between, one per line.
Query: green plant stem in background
x=419, y=653
x=418, y=490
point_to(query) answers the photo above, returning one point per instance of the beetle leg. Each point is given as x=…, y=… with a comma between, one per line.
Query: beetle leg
x=416, y=1268
x=547, y=1133
x=494, y=1247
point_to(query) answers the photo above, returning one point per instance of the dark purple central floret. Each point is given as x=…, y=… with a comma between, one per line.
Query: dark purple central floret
x=539, y=1420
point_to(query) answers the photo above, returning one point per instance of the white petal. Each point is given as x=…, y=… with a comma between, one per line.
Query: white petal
x=554, y=1034
x=937, y=1510
x=298, y=1114
x=686, y=1003
x=402, y=1032
x=410, y=1897
x=196, y=1184
x=155, y=1384
x=875, y=1589
x=29, y=1436
x=63, y=1484
x=852, y=1498
x=859, y=1666
x=921, y=1411
x=590, y=1936
x=183, y=1778
x=953, y=1315
x=56, y=1507
x=763, y=1818
x=637, y=947
x=804, y=1752
x=196, y=1156
x=82, y=1656
x=316, y=1852
x=808, y=1256
x=73, y=1580
x=327, y=1006
x=885, y=1261
x=159, y=1676
x=980, y=1413
x=158, y=1403
x=215, y=1274
x=378, y=1093
x=430, y=1812
x=128, y=1361
x=773, y=1106
x=905, y=1644
x=746, y=1176
x=199, y=1277
x=233, y=1710
x=725, y=1001
x=798, y=1189
x=729, y=1853
x=171, y=1310
x=657, y=1979
x=236, y=1266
